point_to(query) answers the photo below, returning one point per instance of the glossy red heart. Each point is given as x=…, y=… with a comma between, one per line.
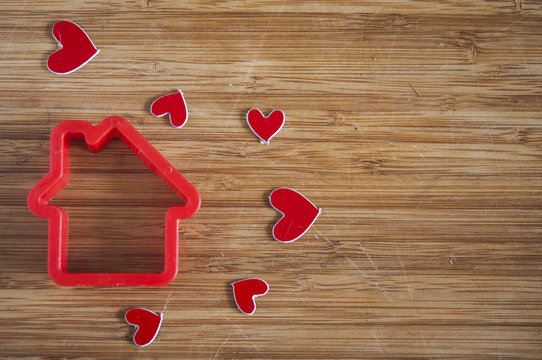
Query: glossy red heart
x=147, y=324
x=76, y=48
x=265, y=127
x=298, y=214
x=244, y=292
x=172, y=104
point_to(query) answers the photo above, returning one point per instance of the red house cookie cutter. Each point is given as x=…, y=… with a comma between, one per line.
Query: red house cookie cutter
x=96, y=138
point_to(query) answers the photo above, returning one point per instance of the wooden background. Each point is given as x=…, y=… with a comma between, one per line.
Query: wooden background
x=415, y=126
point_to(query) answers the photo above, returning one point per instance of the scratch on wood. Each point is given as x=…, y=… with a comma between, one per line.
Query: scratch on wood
x=485, y=117
x=167, y=301
x=413, y=88
x=246, y=337
x=368, y=256
x=421, y=201
x=220, y=348
x=407, y=284
x=377, y=342
x=426, y=349
x=382, y=335
x=347, y=258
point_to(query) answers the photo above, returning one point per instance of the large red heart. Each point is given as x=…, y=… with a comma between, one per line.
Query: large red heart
x=147, y=324
x=298, y=214
x=76, y=48
x=172, y=104
x=265, y=127
x=244, y=292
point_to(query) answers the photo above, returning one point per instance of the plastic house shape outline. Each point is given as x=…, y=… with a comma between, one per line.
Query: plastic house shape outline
x=97, y=137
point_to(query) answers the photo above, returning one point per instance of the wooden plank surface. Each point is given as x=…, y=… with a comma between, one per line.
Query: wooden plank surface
x=414, y=125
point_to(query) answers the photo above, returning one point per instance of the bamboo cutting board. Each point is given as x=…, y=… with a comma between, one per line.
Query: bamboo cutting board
x=414, y=125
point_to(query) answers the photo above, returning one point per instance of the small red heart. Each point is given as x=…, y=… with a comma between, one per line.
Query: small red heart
x=172, y=104
x=265, y=127
x=76, y=48
x=298, y=214
x=244, y=292
x=147, y=324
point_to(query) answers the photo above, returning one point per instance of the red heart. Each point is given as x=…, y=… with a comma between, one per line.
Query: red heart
x=265, y=127
x=76, y=48
x=147, y=324
x=244, y=292
x=172, y=104
x=298, y=214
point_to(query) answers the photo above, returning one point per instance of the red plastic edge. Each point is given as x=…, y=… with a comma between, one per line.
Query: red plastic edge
x=96, y=138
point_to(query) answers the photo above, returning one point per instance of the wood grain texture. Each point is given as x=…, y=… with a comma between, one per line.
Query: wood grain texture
x=415, y=125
